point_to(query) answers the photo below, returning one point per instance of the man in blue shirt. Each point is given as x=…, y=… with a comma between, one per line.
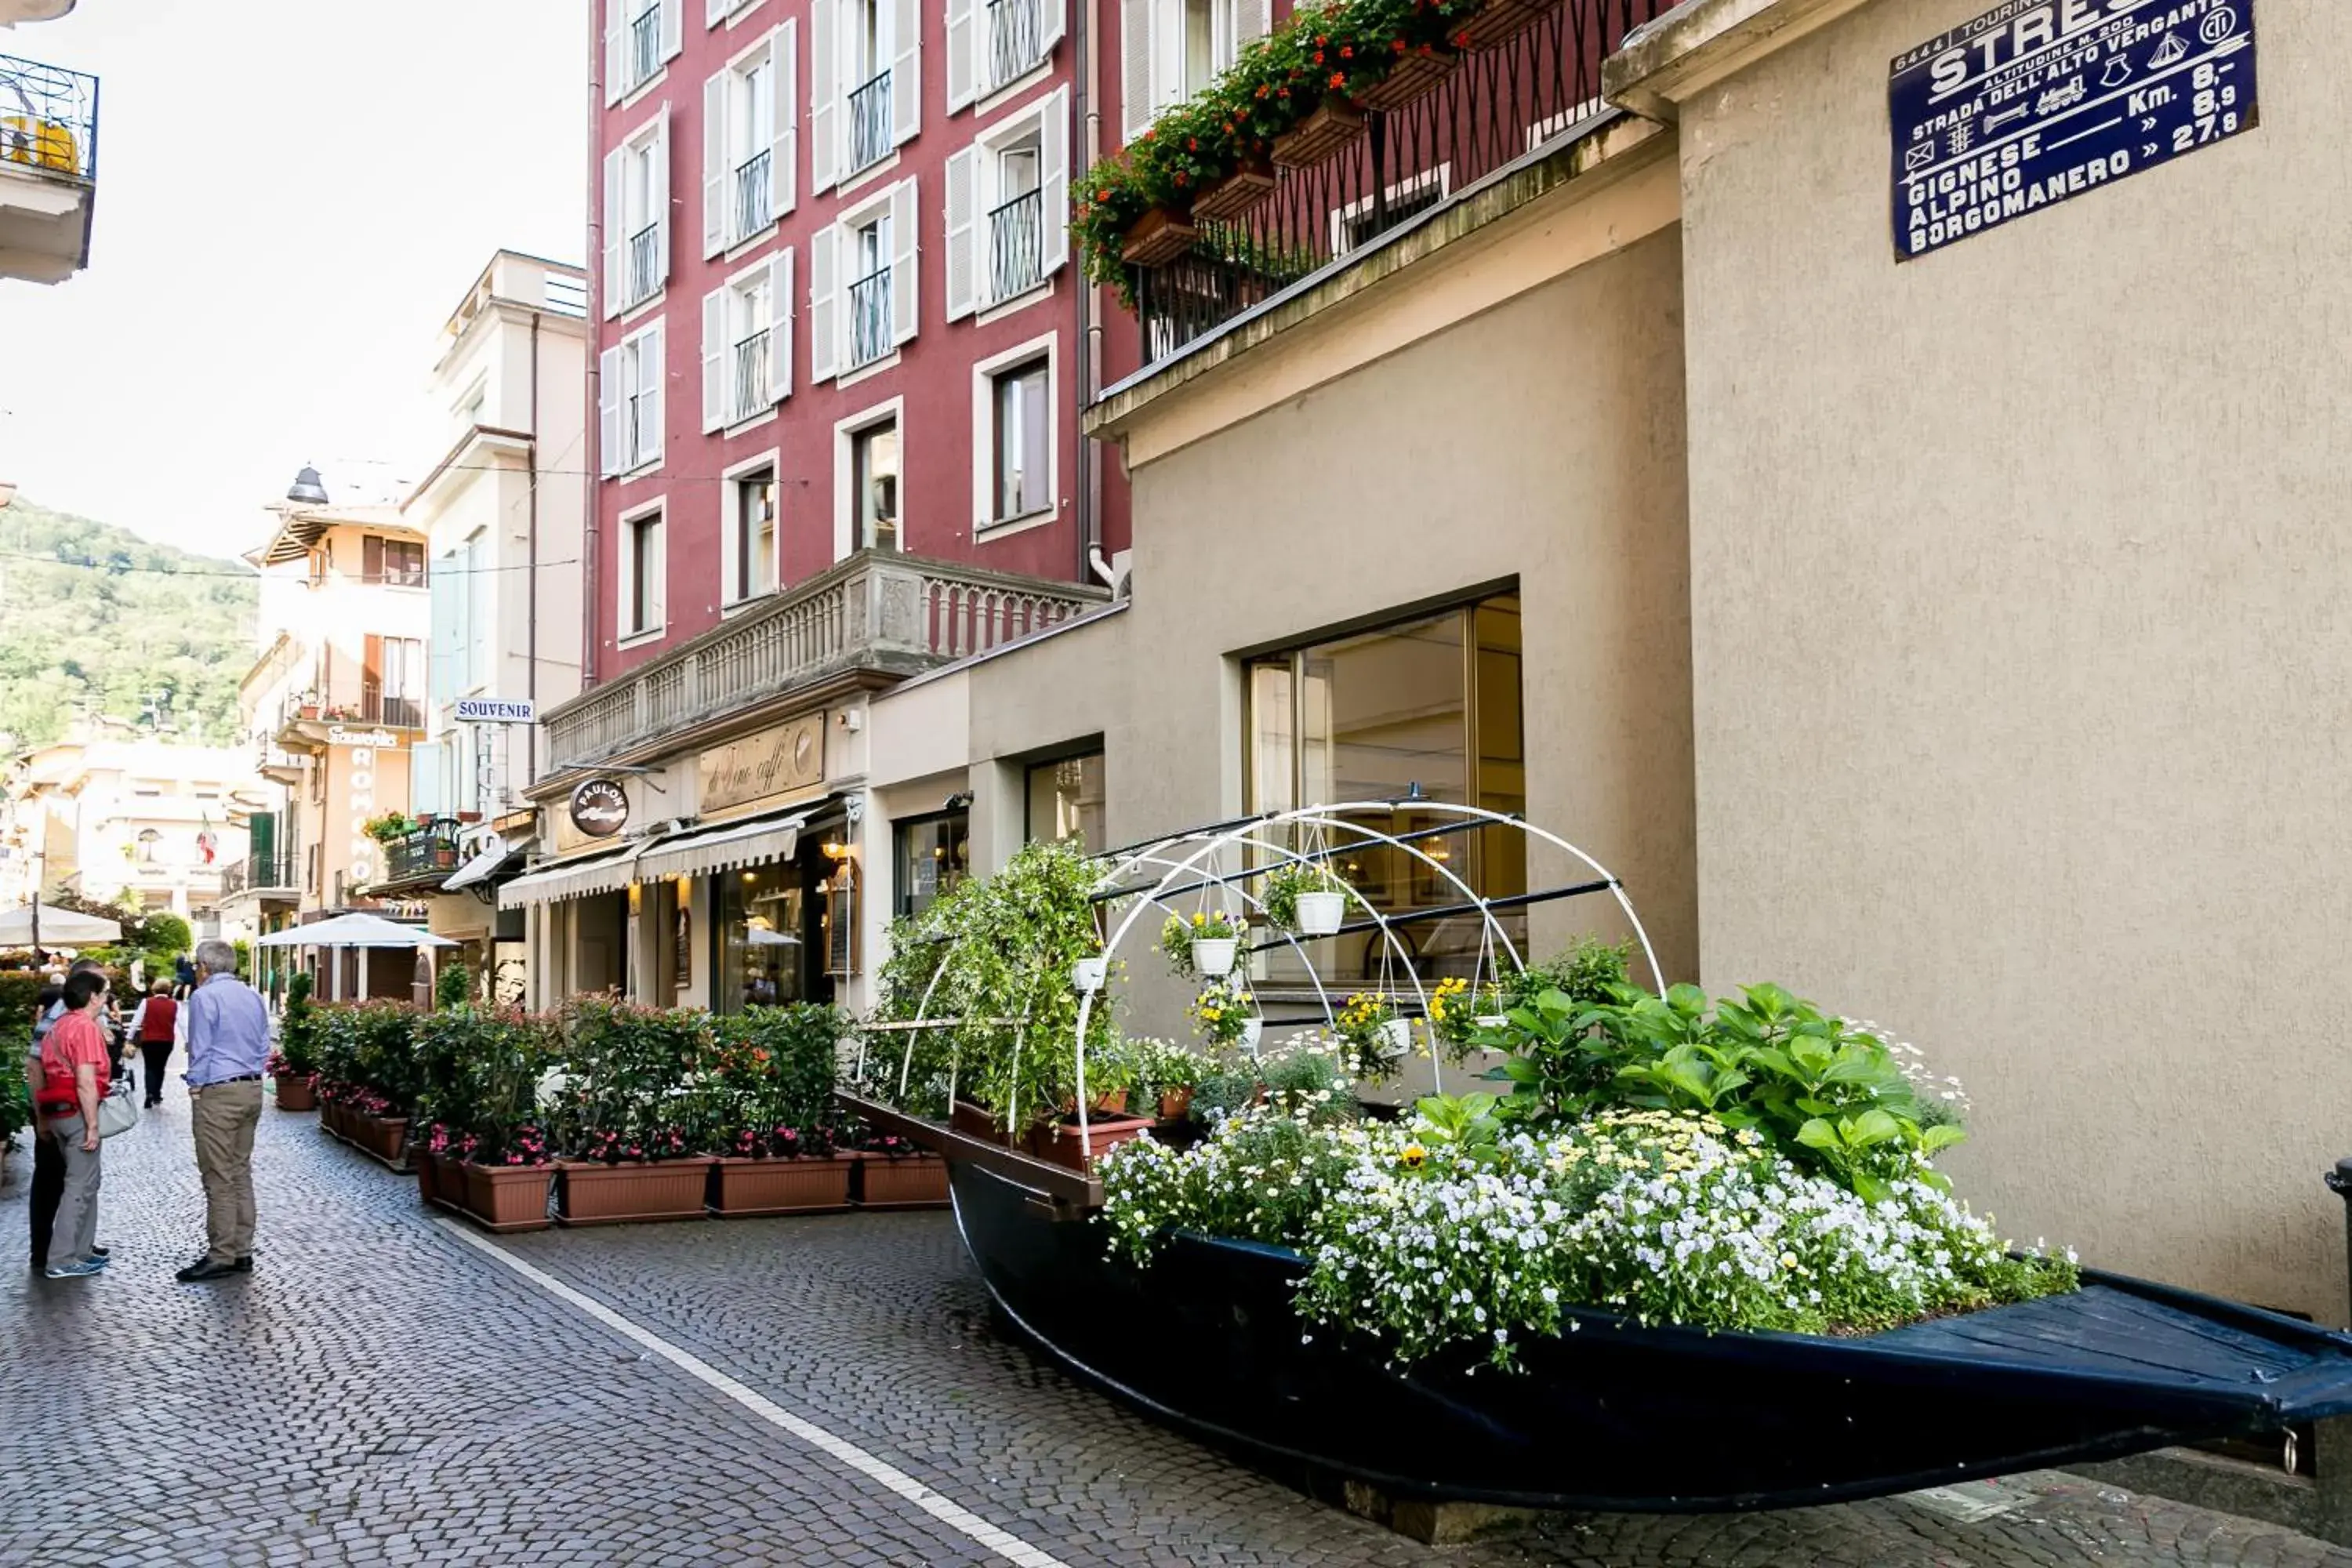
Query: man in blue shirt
x=228, y=1049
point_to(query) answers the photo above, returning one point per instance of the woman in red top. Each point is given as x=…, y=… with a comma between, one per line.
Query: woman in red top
x=152, y=1026
x=74, y=1074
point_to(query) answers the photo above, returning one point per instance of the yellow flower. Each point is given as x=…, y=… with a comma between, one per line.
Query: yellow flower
x=1787, y=1260
x=1412, y=1155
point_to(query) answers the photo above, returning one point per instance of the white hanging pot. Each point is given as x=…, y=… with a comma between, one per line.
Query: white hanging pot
x=1396, y=1037
x=1320, y=914
x=1490, y=1020
x=1088, y=974
x=1213, y=955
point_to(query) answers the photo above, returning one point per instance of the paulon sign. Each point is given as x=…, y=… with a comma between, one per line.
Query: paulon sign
x=2038, y=100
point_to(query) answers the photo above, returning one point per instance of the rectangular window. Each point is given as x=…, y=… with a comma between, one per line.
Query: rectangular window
x=1432, y=705
x=641, y=575
x=1066, y=802
x=753, y=309
x=393, y=563
x=874, y=486
x=762, y=938
x=869, y=103
x=634, y=433
x=635, y=214
x=1022, y=453
x=1012, y=41
x=392, y=683
x=869, y=292
x=934, y=853
x=1017, y=222
x=752, y=518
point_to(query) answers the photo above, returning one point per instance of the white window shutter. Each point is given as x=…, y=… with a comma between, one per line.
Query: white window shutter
x=824, y=94
x=1053, y=184
x=1052, y=23
x=657, y=569
x=653, y=374
x=660, y=199
x=716, y=413
x=963, y=65
x=610, y=458
x=615, y=222
x=717, y=220
x=963, y=200
x=673, y=28
x=825, y=311
x=780, y=326
x=783, y=49
x=717, y=12
x=907, y=72
x=617, y=52
x=906, y=221
x=1252, y=19
x=1136, y=57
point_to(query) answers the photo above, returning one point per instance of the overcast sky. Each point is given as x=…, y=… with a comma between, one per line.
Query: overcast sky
x=293, y=195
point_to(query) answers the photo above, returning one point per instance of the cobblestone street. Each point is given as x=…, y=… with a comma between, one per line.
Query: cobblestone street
x=382, y=1389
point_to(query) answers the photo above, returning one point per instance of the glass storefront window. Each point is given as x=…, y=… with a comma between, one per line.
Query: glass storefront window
x=1066, y=801
x=762, y=938
x=1432, y=705
x=934, y=853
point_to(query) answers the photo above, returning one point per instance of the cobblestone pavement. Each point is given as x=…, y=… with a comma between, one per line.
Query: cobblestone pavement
x=381, y=1392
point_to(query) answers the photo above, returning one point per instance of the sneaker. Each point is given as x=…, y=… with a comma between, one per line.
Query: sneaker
x=100, y=1252
x=82, y=1270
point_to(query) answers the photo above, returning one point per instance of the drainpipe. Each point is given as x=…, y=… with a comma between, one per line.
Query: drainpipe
x=1088, y=379
x=594, y=421
x=530, y=564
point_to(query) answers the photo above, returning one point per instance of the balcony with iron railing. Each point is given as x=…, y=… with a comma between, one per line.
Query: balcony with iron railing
x=645, y=264
x=1366, y=164
x=1014, y=27
x=261, y=875
x=644, y=44
x=754, y=196
x=876, y=613
x=424, y=857
x=870, y=336
x=869, y=123
x=48, y=169
x=1016, y=261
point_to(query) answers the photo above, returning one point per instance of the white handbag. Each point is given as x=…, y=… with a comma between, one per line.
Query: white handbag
x=118, y=1112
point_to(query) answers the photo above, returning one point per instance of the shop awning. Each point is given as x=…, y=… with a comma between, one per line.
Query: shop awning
x=754, y=843
x=573, y=879
x=481, y=868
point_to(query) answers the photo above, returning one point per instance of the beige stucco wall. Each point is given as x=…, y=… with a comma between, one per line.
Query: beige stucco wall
x=1541, y=441
x=2019, y=644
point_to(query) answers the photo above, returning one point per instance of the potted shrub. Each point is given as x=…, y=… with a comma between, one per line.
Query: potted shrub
x=1306, y=897
x=624, y=1118
x=1224, y=1015
x=496, y=1170
x=388, y=826
x=1204, y=944
x=294, y=1066
x=771, y=1088
x=1170, y=1073
x=1060, y=1139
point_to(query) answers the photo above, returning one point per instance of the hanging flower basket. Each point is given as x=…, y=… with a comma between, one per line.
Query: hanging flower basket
x=1330, y=129
x=1213, y=955
x=1231, y=197
x=1088, y=974
x=1159, y=236
x=1416, y=73
x=1498, y=23
x=1321, y=914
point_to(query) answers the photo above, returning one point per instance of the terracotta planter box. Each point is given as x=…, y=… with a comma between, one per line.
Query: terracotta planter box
x=505, y=1197
x=1499, y=23
x=1175, y=1105
x=1234, y=195
x=385, y=1137
x=1159, y=236
x=296, y=1094
x=1411, y=76
x=966, y=1117
x=740, y=1189
x=914, y=1181
x=1322, y=134
x=1059, y=1140
x=597, y=1193
x=430, y=1190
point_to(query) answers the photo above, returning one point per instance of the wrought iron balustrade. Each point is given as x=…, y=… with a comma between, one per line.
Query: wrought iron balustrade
x=754, y=208
x=256, y=872
x=644, y=44
x=1015, y=258
x=48, y=121
x=751, y=391
x=645, y=262
x=870, y=336
x=1482, y=109
x=433, y=852
x=877, y=610
x=1014, y=50
x=869, y=123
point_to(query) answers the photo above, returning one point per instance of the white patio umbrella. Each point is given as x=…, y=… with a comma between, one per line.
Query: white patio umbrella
x=60, y=927
x=354, y=930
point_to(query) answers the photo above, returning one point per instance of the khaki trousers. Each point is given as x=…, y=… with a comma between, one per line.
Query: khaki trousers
x=225, y=1115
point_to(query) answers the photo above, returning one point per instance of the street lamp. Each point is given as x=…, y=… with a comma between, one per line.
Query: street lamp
x=308, y=491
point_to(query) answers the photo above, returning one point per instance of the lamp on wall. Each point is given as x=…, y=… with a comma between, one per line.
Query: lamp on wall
x=834, y=849
x=959, y=801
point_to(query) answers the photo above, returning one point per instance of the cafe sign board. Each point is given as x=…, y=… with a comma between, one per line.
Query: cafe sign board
x=2038, y=102
x=600, y=807
x=764, y=768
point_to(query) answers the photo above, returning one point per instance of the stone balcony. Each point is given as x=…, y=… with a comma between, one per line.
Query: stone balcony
x=873, y=619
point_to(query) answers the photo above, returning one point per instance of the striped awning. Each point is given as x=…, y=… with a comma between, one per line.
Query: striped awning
x=776, y=837
x=574, y=879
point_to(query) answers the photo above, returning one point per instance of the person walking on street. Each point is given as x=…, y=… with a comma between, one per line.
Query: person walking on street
x=48, y=1167
x=154, y=1024
x=184, y=978
x=74, y=1074
x=228, y=1047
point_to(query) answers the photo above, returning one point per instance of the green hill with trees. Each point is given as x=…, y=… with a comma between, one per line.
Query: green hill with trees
x=94, y=619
